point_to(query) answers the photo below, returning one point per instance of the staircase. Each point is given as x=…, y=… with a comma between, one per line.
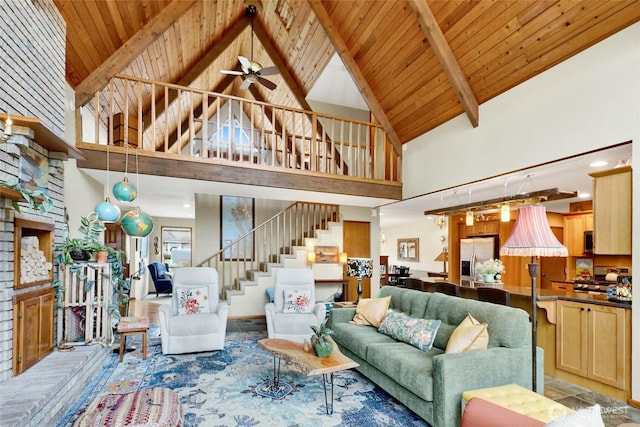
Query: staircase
x=246, y=266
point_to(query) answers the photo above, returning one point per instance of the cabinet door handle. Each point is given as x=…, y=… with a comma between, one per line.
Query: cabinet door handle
x=588, y=309
x=582, y=309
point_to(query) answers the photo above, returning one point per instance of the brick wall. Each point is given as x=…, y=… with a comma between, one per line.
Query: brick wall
x=32, y=61
x=32, y=83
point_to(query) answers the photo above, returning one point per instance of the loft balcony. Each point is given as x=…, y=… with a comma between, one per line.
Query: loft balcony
x=182, y=132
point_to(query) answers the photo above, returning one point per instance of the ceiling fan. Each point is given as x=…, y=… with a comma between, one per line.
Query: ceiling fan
x=253, y=71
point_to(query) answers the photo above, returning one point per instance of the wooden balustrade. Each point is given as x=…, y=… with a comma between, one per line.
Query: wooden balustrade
x=157, y=116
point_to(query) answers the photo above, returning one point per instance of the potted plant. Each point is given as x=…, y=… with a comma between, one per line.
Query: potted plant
x=83, y=249
x=320, y=342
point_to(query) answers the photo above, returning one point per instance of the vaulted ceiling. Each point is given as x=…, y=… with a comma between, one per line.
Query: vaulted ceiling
x=417, y=63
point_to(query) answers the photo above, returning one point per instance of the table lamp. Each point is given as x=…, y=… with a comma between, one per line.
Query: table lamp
x=443, y=257
x=360, y=268
x=532, y=236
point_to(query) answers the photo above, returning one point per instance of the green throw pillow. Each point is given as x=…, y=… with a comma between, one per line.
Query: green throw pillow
x=419, y=333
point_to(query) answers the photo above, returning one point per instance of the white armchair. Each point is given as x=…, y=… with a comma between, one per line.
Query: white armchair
x=196, y=320
x=293, y=325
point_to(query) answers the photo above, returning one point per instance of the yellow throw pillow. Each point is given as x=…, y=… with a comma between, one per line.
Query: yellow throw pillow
x=371, y=311
x=469, y=335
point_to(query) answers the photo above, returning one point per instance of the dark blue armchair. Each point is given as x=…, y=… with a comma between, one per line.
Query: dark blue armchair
x=161, y=281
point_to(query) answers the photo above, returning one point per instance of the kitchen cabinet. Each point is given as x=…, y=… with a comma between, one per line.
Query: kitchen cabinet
x=575, y=224
x=612, y=211
x=594, y=342
x=484, y=228
x=32, y=327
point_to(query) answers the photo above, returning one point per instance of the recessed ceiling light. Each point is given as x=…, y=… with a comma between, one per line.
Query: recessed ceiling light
x=584, y=195
x=598, y=163
x=186, y=205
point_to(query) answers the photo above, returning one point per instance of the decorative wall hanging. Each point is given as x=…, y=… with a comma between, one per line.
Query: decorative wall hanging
x=236, y=220
x=408, y=250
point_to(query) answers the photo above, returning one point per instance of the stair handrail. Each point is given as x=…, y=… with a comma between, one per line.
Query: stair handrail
x=229, y=278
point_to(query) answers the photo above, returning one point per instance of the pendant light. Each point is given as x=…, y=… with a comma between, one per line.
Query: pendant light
x=505, y=210
x=124, y=190
x=469, y=217
x=107, y=211
x=137, y=223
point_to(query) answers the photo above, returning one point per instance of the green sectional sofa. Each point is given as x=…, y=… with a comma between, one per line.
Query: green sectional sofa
x=431, y=383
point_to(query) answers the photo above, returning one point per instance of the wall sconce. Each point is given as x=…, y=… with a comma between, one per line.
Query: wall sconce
x=8, y=131
x=342, y=258
x=441, y=221
x=311, y=257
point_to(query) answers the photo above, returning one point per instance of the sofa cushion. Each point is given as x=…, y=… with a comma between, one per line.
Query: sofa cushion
x=358, y=338
x=193, y=300
x=418, y=332
x=405, y=364
x=507, y=326
x=296, y=301
x=371, y=311
x=469, y=335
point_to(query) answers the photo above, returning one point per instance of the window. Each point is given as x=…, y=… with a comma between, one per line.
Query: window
x=176, y=246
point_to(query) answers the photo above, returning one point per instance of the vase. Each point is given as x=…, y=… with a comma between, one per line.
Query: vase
x=323, y=350
x=489, y=278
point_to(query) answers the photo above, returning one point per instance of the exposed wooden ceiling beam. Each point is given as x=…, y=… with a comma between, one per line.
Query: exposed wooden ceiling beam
x=287, y=76
x=443, y=52
x=214, y=51
x=351, y=65
x=130, y=50
x=279, y=63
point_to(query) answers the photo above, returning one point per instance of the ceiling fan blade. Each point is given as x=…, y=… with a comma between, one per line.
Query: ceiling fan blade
x=245, y=84
x=235, y=73
x=269, y=71
x=266, y=83
x=245, y=63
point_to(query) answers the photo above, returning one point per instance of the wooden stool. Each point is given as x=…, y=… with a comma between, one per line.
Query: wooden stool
x=132, y=326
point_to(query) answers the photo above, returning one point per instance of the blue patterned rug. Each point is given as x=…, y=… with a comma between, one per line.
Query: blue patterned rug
x=231, y=388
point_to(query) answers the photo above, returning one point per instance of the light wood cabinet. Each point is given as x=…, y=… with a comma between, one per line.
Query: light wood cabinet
x=33, y=327
x=612, y=211
x=484, y=228
x=574, y=227
x=594, y=341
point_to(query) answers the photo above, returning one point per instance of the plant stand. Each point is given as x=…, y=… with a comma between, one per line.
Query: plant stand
x=88, y=290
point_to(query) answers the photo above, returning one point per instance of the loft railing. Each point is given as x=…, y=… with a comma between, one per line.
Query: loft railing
x=266, y=242
x=158, y=116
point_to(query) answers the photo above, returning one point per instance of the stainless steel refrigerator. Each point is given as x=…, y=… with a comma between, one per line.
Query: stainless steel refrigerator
x=472, y=252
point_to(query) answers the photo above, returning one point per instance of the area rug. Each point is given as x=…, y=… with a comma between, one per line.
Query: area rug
x=229, y=388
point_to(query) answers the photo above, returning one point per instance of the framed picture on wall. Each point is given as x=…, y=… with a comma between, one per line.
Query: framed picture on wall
x=326, y=254
x=236, y=220
x=408, y=250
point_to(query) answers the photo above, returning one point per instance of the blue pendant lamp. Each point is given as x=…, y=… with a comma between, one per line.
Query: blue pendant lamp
x=137, y=223
x=124, y=190
x=107, y=211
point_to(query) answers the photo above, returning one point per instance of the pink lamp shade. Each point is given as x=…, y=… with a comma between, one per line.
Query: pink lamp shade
x=532, y=235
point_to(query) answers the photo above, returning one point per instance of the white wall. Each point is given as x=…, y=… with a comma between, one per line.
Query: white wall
x=587, y=102
x=430, y=235
x=352, y=213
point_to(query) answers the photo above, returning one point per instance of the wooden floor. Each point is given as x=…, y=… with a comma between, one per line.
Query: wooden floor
x=145, y=308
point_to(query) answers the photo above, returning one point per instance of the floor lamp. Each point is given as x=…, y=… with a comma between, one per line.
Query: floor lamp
x=532, y=236
x=361, y=268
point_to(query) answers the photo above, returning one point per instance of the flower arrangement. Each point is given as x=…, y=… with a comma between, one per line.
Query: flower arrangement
x=490, y=267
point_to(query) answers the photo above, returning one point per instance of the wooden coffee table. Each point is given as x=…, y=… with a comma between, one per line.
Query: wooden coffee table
x=305, y=362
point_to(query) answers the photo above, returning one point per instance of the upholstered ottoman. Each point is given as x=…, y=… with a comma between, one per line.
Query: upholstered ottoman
x=152, y=407
x=508, y=405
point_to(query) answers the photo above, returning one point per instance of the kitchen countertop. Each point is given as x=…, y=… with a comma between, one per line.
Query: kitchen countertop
x=542, y=294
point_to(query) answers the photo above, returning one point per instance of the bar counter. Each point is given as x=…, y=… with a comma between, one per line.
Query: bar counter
x=469, y=291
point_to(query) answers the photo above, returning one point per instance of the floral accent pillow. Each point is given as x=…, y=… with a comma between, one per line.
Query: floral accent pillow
x=420, y=333
x=297, y=302
x=193, y=300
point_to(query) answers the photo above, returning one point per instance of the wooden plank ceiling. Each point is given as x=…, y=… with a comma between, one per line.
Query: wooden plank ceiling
x=417, y=63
